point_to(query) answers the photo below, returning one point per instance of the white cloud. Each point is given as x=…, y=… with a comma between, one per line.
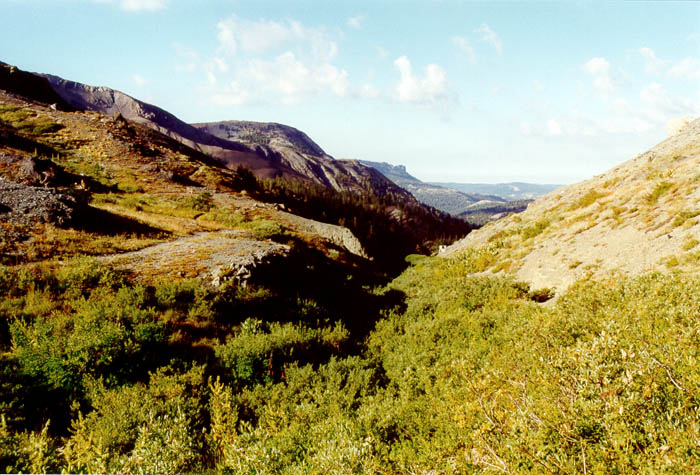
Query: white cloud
x=464, y=47
x=599, y=68
x=287, y=79
x=232, y=94
x=187, y=59
x=688, y=68
x=490, y=36
x=266, y=36
x=356, y=21
x=539, y=87
x=652, y=63
x=651, y=110
x=429, y=91
x=138, y=5
x=267, y=61
x=553, y=127
x=368, y=91
x=659, y=106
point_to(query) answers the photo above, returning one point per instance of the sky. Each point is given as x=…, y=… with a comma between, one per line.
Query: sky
x=458, y=91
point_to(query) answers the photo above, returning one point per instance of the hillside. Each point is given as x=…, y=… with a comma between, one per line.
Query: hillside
x=639, y=217
x=300, y=159
x=294, y=149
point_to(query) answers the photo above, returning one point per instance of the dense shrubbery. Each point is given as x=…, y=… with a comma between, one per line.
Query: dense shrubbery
x=461, y=374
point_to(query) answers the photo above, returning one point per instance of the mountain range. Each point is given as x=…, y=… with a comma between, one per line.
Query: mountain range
x=475, y=203
x=269, y=150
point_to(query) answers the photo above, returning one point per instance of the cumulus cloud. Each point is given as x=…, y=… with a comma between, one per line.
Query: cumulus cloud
x=688, y=68
x=269, y=61
x=652, y=63
x=266, y=36
x=285, y=78
x=599, y=69
x=464, y=47
x=653, y=109
x=431, y=90
x=489, y=36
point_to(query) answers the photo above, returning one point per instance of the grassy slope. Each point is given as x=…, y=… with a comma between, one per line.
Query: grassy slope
x=640, y=216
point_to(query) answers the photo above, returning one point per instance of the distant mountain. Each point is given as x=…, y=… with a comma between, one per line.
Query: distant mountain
x=445, y=199
x=641, y=216
x=508, y=191
x=482, y=212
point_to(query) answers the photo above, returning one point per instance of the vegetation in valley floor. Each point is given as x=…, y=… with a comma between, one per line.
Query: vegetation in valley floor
x=436, y=371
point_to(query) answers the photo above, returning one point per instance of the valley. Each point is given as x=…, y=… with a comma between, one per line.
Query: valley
x=226, y=297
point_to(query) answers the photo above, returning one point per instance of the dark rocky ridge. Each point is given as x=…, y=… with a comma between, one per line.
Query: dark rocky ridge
x=297, y=151
x=300, y=158
x=30, y=86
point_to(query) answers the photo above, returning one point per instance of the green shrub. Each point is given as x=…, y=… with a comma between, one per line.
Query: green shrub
x=260, y=352
x=536, y=229
x=683, y=216
x=587, y=199
x=204, y=201
x=658, y=191
x=265, y=229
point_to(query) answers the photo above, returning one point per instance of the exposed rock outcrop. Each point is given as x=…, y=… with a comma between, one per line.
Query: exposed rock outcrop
x=215, y=257
x=25, y=204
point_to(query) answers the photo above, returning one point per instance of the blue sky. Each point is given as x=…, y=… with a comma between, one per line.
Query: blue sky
x=546, y=92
